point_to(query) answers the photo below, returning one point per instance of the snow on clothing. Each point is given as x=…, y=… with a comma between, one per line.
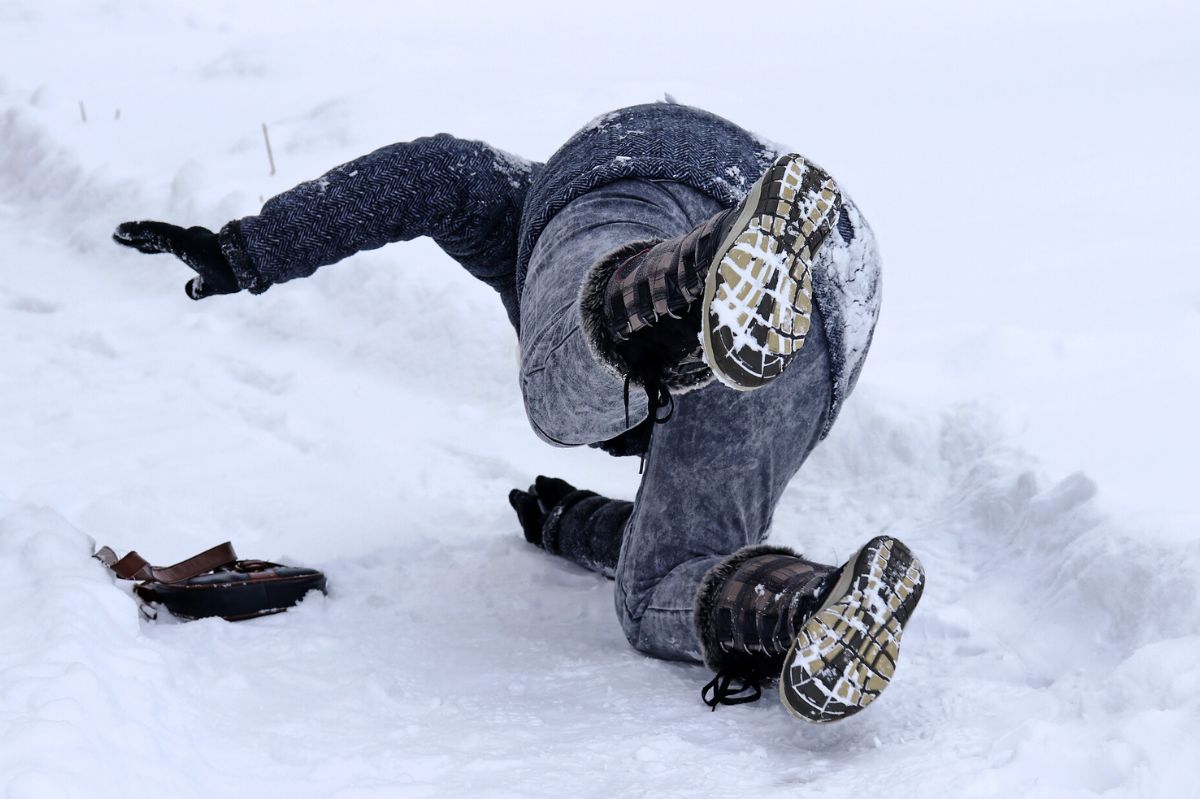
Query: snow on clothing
x=488, y=210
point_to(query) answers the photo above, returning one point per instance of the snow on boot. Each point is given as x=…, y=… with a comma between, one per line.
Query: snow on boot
x=733, y=297
x=758, y=294
x=831, y=636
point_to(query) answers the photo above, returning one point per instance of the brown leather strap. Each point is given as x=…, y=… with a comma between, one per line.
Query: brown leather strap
x=134, y=567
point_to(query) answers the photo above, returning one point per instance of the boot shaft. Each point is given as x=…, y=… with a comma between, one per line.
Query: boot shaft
x=662, y=279
x=641, y=308
x=750, y=607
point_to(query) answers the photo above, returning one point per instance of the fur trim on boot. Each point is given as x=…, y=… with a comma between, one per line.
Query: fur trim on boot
x=591, y=306
x=710, y=589
x=591, y=310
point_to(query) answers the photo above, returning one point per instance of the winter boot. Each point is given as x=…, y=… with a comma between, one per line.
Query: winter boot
x=831, y=636
x=732, y=298
x=581, y=526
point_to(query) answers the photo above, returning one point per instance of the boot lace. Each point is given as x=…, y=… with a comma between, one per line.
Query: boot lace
x=728, y=688
x=658, y=396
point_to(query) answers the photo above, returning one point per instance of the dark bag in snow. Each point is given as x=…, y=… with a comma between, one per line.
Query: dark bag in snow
x=216, y=583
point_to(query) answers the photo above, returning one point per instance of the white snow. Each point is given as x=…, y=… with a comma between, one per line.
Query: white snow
x=853, y=269
x=1025, y=421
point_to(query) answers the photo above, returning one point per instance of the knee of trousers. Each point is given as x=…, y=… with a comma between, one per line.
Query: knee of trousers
x=544, y=424
x=547, y=406
x=553, y=413
x=629, y=618
x=572, y=400
x=659, y=634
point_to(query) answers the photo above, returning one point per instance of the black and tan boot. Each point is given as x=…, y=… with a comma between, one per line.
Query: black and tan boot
x=732, y=298
x=831, y=636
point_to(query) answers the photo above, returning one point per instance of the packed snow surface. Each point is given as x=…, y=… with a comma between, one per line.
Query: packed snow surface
x=1025, y=422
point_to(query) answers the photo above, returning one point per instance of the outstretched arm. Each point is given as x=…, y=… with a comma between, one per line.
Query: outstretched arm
x=466, y=195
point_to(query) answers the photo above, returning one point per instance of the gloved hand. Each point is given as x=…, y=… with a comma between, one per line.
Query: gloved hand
x=196, y=246
x=581, y=526
x=533, y=505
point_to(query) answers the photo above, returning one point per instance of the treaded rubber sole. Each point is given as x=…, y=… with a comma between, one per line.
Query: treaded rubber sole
x=758, y=291
x=846, y=653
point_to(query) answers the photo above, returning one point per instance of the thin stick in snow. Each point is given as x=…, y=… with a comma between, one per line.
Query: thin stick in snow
x=82, y=111
x=270, y=156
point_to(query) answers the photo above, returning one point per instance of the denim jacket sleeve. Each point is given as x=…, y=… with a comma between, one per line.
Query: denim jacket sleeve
x=466, y=195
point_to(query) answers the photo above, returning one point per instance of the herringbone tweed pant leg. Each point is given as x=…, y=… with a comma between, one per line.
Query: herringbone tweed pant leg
x=716, y=470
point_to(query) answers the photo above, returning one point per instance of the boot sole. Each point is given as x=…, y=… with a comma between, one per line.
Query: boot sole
x=758, y=290
x=846, y=653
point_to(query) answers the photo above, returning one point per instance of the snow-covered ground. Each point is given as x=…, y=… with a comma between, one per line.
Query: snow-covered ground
x=1025, y=421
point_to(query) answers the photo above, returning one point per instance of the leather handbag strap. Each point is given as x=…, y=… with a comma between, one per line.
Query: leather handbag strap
x=134, y=567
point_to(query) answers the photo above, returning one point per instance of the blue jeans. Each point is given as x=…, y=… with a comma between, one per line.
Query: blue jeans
x=716, y=470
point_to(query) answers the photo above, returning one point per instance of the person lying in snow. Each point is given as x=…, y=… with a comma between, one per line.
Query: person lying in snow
x=666, y=249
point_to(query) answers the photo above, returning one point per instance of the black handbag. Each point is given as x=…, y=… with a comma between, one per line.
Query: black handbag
x=215, y=583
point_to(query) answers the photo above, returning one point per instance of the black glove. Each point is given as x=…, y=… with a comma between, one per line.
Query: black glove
x=533, y=505
x=196, y=246
x=581, y=526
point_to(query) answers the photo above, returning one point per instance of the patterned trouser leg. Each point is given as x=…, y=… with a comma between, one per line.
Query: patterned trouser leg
x=716, y=470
